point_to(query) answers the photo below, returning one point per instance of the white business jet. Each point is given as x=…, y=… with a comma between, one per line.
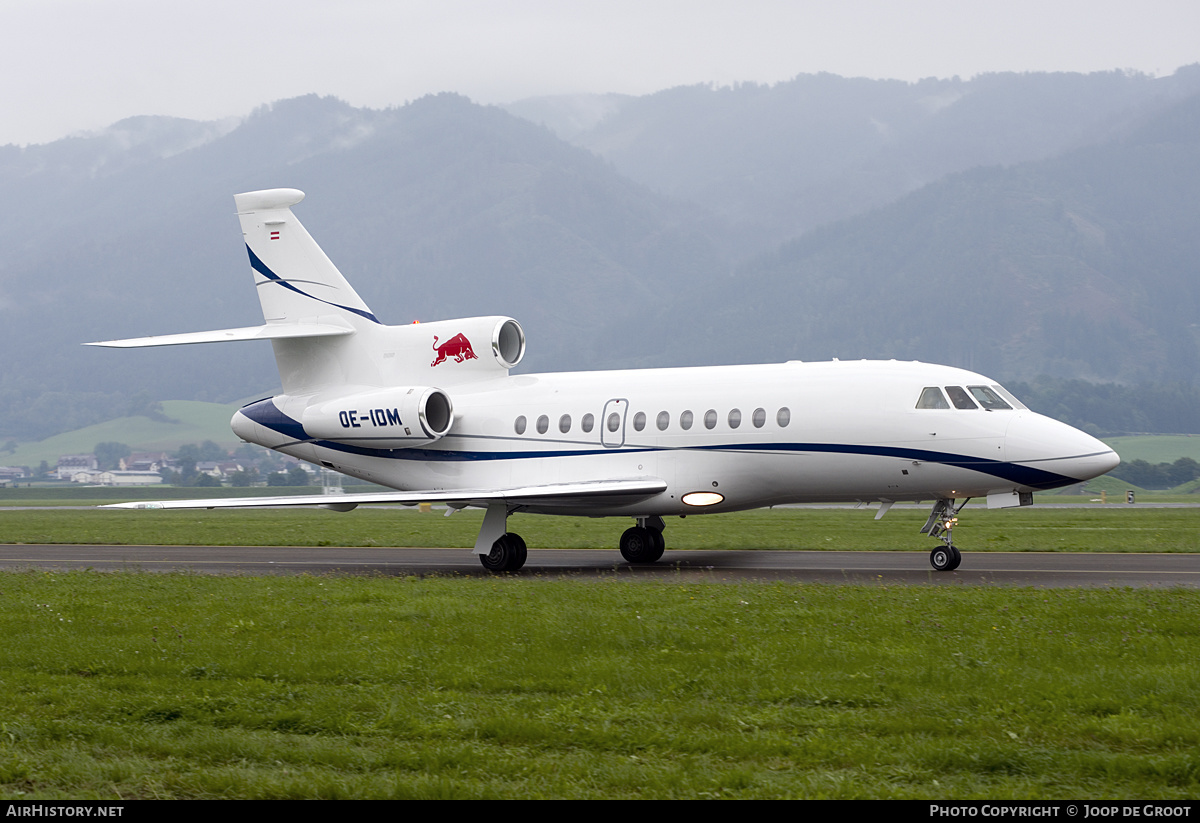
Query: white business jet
x=431, y=411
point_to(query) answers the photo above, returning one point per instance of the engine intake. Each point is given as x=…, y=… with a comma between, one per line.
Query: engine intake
x=393, y=418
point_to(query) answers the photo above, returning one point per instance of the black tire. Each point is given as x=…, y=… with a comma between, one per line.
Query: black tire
x=639, y=545
x=942, y=559
x=521, y=552
x=507, y=555
x=659, y=546
x=955, y=560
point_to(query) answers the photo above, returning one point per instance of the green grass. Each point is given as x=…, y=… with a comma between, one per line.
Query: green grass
x=1113, y=528
x=1156, y=448
x=74, y=494
x=197, y=422
x=178, y=686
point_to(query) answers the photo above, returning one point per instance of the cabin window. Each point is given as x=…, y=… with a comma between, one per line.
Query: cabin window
x=988, y=398
x=783, y=417
x=664, y=420
x=710, y=419
x=685, y=420
x=735, y=418
x=589, y=420
x=543, y=424
x=639, y=421
x=614, y=422
x=932, y=398
x=564, y=423
x=960, y=398
x=759, y=418
x=520, y=425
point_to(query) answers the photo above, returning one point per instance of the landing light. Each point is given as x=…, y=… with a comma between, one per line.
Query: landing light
x=702, y=499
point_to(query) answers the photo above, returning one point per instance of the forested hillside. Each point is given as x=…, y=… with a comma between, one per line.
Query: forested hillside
x=1020, y=225
x=779, y=160
x=1081, y=266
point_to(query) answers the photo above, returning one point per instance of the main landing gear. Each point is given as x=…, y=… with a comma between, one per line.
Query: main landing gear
x=644, y=543
x=507, y=555
x=940, y=525
x=504, y=551
x=499, y=550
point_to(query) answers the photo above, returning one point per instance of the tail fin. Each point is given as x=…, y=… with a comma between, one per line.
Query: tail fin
x=315, y=321
x=296, y=281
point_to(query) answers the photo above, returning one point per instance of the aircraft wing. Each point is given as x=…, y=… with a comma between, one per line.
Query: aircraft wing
x=594, y=494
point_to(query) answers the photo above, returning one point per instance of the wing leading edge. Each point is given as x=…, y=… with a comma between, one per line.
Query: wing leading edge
x=599, y=494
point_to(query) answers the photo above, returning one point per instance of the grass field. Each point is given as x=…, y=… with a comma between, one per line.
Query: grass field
x=129, y=685
x=1156, y=448
x=195, y=423
x=1114, y=528
x=136, y=686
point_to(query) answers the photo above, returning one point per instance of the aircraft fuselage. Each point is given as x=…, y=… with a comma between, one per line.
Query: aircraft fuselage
x=746, y=436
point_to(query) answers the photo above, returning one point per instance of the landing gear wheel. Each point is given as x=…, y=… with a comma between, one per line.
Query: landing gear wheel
x=660, y=545
x=945, y=558
x=957, y=558
x=640, y=545
x=507, y=555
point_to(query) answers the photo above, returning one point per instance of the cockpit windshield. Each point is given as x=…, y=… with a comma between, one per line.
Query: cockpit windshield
x=932, y=398
x=960, y=398
x=987, y=398
x=990, y=398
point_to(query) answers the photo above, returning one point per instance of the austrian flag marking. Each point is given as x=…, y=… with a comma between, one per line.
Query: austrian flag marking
x=275, y=234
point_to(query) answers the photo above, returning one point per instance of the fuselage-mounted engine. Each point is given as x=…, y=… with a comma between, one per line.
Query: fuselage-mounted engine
x=402, y=417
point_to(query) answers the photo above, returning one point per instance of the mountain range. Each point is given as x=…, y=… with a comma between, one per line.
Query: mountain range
x=1020, y=225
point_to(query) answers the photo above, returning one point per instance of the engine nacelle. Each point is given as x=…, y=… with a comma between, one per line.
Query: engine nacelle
x=394, y=418
x=453, y=351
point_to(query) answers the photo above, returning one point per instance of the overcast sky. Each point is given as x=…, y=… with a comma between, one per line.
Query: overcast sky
x=73, y=65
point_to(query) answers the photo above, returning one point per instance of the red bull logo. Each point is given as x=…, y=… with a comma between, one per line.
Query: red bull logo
x=458, y=347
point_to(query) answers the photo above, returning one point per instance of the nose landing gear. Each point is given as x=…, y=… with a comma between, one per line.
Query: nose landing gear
x=940, y=525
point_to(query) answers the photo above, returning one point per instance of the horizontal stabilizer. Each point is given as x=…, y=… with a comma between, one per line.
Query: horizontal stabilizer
x=271, y=331
x=617, y=492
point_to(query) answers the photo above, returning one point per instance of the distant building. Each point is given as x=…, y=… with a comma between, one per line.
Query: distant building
x=8, y=473
x=146, y=462
x=218, y=468
x=71, y=464
x=116, y=478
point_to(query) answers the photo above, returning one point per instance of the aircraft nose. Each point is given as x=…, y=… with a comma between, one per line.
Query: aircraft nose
x=1039, y=442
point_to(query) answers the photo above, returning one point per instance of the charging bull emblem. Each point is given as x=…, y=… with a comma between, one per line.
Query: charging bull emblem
x=458, y=347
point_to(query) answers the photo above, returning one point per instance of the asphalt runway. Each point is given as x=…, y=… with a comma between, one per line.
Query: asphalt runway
x=832, y=567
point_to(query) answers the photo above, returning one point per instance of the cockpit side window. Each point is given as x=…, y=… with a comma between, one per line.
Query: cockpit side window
x=1007, y=395
x=960, y=398
x=932, y=398
x=988, y=398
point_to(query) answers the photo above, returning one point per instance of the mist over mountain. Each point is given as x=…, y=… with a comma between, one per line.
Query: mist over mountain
x=1016, y=224
x=1081, y=266
x=781, y=159
x=438, y=209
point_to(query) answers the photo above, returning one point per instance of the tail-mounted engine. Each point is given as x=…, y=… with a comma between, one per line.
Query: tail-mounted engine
x=453, y=351
x=394, y=418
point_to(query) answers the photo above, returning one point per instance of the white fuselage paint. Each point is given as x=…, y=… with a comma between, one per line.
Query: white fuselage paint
x=854, y=434
x=431, y=410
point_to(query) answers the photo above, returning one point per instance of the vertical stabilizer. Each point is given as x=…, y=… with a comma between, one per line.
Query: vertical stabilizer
x=299, y=286
x=296, y=282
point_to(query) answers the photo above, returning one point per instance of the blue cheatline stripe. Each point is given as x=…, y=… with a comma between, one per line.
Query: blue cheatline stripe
x=266, y=413
x=261, y=267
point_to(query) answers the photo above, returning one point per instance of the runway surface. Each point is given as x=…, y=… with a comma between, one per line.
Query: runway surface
x=882, y=568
